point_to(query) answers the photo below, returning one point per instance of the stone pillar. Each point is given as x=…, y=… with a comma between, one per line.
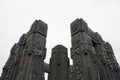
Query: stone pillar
x=82, y=52
x=26, y=61
x=59, y=64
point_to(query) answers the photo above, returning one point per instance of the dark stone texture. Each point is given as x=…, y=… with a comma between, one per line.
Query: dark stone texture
x=59, y=64
x=26, y=61
x=93, y=58
x=39, y=27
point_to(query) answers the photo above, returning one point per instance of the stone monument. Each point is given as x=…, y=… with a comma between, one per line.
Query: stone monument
x=93, y=58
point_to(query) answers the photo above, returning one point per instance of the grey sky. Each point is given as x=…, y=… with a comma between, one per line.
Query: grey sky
x=16, y=17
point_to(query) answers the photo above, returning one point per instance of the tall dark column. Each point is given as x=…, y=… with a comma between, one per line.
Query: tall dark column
x=26, y=60
x=82, y=51
x=59, y=64
x=93, y=58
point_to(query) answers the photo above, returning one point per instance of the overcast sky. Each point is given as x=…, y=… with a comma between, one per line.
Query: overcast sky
x=16, y=17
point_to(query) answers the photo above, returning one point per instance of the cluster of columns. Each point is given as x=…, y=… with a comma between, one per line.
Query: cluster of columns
x=93, y=58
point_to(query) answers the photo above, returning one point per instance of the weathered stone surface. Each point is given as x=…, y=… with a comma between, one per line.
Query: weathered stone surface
x=46, y=67
x=39, y=27
x=26, y=61
x=59, y=64
x=93, y=58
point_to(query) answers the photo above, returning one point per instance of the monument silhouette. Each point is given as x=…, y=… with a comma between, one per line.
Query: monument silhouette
x=93, y=58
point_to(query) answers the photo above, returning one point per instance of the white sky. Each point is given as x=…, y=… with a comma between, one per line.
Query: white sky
x=16, y=17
